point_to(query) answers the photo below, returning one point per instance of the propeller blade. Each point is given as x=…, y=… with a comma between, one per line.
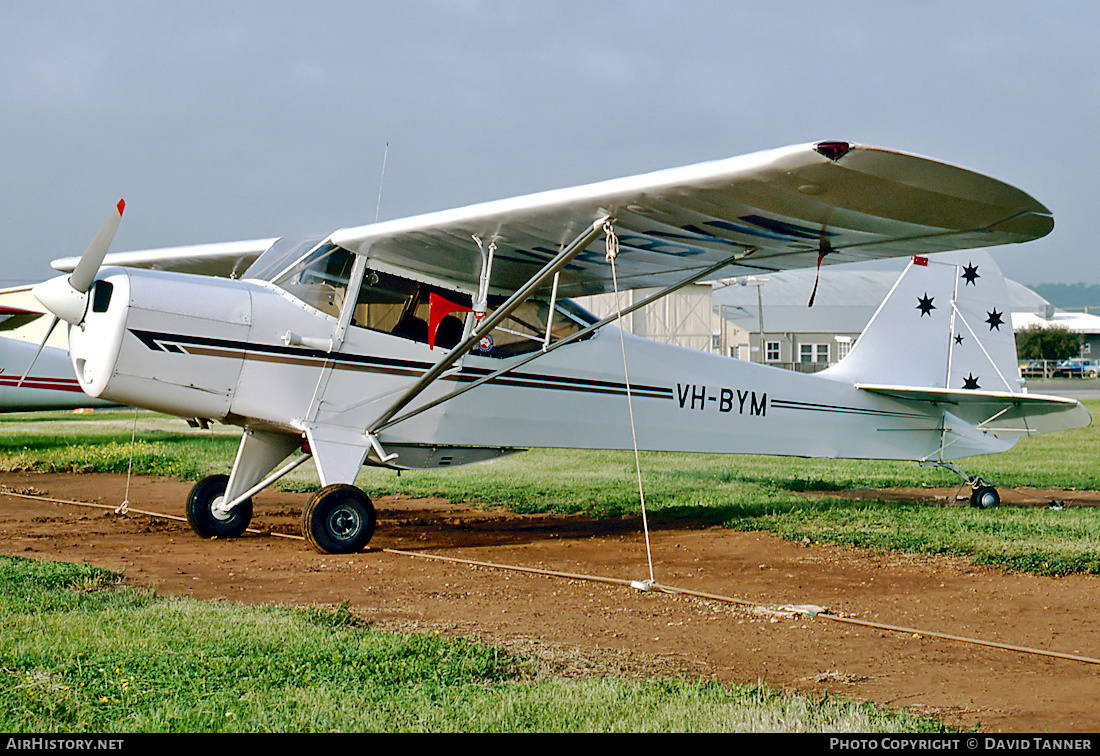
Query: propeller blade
x=53, y=324
x=84, y=273
x=67, y=298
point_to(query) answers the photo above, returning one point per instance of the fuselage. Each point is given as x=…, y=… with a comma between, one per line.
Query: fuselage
x=251, y=353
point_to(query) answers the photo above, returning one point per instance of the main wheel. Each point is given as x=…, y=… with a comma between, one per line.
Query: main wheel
x=985, y=497
x=338, y=519
x=200, y=514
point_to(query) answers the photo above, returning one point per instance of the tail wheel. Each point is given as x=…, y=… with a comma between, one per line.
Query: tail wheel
x=985, y=497
x=200, y=512
x=339, y=519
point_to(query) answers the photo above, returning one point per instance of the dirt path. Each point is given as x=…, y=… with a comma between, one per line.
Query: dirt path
x=967, y=684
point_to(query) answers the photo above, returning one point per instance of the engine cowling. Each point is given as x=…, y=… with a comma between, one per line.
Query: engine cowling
x=151, y=339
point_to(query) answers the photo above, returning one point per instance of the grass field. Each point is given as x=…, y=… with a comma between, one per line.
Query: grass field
x=80, y=653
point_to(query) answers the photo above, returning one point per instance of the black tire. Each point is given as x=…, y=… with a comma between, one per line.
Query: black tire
x=201, y=517
x=985, y=497
x=339, y=519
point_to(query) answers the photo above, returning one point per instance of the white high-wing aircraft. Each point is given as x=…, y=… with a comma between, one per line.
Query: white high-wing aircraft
x=446, y=338
x=51, y=386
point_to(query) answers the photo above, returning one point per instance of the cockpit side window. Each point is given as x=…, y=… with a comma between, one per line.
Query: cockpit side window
x=413, y=310
x=402, y=307
x=383, y=302
x=524, y=330
x=320, y=279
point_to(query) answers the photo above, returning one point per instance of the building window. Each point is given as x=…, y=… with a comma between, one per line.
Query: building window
x=813, y=353
x=843, y=346
x=771, y=351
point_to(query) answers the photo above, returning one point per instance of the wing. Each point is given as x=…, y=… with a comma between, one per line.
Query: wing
x=774, y=210
x=12, y=318
x=226, y=259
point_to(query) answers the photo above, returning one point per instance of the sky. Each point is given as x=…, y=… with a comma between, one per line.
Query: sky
x=226, y=121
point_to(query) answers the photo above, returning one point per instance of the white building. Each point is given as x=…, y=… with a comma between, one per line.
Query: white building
x=1079, y=322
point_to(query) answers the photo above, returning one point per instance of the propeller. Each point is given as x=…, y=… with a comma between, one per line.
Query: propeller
x=67, y=297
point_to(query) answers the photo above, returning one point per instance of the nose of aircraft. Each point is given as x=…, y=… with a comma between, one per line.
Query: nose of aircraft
x=62, y=299
x=67, y=296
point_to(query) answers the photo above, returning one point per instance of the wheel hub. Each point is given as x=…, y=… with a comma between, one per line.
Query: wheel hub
x=218, y=509
x=344, y=522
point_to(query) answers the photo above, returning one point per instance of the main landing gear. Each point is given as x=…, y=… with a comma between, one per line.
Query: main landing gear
x=205, y=512
x=338, y=519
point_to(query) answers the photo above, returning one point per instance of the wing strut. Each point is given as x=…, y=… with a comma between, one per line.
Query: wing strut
x=697, y=276
x=487, y=324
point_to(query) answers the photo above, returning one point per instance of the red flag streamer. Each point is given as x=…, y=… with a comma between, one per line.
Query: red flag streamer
x=439, y=308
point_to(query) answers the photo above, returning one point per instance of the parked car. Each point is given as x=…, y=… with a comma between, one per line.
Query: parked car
x=1034, y=369
x=1078, y=367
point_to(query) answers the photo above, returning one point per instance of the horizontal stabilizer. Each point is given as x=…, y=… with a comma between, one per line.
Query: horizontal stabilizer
x=999, y=412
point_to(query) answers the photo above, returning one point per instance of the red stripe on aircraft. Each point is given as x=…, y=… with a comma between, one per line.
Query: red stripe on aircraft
x=49, y=384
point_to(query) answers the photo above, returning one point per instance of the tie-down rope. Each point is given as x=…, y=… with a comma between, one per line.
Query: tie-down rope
x=790, y=610
x=611, y=245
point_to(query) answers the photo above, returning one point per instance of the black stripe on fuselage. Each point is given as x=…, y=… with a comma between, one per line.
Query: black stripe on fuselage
x=303, y=356
x=793, y=405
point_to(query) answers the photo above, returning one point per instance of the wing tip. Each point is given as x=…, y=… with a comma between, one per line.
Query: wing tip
x=833, y=150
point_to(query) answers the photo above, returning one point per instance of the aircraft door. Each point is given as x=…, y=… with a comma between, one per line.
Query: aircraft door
x=295, y=339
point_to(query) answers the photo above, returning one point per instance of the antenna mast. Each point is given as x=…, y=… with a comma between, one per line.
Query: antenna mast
x=378, y=207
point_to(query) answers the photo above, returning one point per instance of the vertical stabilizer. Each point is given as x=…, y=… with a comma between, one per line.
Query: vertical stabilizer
x=944, y=325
